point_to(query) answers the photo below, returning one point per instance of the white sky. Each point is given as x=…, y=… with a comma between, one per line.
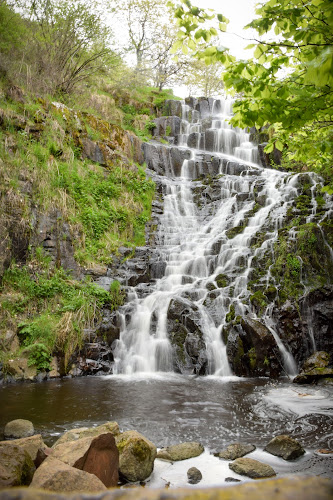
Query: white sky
x=239, y=13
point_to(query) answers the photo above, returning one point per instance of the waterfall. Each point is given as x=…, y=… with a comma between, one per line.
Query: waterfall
x=221, y=212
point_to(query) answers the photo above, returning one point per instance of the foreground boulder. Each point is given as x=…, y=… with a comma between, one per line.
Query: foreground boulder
x=84, y=432
x=295, y=488
x=236, y=450
x=136, y=456
x=181, y=451
x=285, y=447
x=29, y=444
x=54, y=475
x=251, y=468
x=97, y=456
x=16, y=467
x=19, y=428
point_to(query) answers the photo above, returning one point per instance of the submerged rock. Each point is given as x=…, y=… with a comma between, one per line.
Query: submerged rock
x=136, y=456
x=19, y=428
x=236, y=450
x=194, y=476
x=251, y=468
x=181, y=451
x=285, y=447
x=55, y=475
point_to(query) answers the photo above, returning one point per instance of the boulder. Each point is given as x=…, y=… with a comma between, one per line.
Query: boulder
x=96, y=455
x=285, y=447
x=181, y=451
x=194, y=476
x=19, y=428
x=236, y=450
x=319, y=359
x=54, y=475
x=19, y=369
x=83, y=432
x=315, y=368
x=136, y=456
x=251, y=468
x=29, y=444
x=16, y=467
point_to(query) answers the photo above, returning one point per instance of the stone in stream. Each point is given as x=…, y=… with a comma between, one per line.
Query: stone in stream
x=181, y=451
x=194, y=476
x=285, y=447
x=136, y=456
x=236, y=450
x=55, y=475
x=19, y=428
x=251, y=468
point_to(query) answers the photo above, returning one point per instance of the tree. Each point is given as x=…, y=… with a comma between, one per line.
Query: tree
x=204, y=79
x=288, y=84
x=68, y=41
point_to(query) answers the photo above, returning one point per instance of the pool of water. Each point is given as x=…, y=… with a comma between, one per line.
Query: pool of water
x=172, y=408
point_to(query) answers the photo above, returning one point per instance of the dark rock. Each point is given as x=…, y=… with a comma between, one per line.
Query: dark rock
x=232, y=480
x=285, y=447
x=236, y=450
x=251, y=468
x=194, y=476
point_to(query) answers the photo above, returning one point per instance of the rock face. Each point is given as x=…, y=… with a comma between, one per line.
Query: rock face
x=285, y=447
x=251, y=468
x=236, y=450
x=54, y=475
x=19, y=428
x=136, y=456
x=29, y=444
x=16, y=467
x=315, y=368
x=181, y=451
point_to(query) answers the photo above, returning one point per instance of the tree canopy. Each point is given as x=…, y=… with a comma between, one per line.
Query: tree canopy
x=287, y=85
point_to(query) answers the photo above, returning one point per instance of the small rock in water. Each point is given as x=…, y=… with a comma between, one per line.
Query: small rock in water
x=181, y=451
x=251, y=468
x=232, y=480
x=285, y=447
x=194, y=476
x=236, y=450
x=19, y=428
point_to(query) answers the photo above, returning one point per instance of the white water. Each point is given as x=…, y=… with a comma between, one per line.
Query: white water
x=197, y=246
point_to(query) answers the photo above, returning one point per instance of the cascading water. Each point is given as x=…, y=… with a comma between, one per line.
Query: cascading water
x=221, y=213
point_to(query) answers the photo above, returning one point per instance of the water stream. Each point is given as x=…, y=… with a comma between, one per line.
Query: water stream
x=205, y=237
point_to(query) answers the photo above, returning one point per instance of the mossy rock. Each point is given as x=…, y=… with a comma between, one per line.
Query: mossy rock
x=136, y=456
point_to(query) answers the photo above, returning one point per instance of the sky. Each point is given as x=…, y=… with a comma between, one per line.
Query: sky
x=239, y=13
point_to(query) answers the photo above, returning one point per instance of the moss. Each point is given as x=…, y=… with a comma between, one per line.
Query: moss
x=222, y=280
x=230, y=316
x=234, y=231
x=259, y=300
x=252, y=358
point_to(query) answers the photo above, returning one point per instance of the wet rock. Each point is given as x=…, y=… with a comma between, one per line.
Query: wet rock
x=172, y=107
x=167, y=126
x=16, y=467
x=251, y=468
x=194, y=476
x=285, y=447
x=232, y=480
x=29, y=444
x=19, y=428
x=319, y=359
x=236, y=450
x=19, y=369
x=84, y=432
x=136, y=456
x=181, y=451
x=55, y=475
